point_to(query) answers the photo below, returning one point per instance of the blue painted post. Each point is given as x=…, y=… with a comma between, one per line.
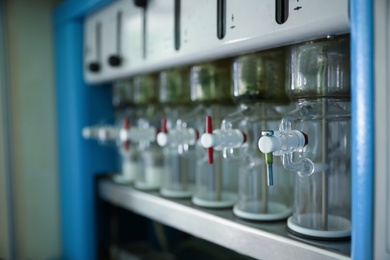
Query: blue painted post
x=362, y=128
x=78, y=105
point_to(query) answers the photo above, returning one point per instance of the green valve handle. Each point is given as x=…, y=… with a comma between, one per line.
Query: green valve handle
x=269, y=160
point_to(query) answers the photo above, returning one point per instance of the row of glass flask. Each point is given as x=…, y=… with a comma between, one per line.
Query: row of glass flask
x=281, y=143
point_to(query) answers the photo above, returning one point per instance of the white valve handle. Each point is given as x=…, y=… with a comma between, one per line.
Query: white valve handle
x=232, y=138
x=281, y=142
x=163, y=139
x=185, y=136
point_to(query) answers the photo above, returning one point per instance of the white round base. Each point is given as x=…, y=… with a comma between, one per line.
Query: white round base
x=228, y=200
x=276, y=211
x=146, y=186
x=343, y=227
x=177, y=194
x=122, y=179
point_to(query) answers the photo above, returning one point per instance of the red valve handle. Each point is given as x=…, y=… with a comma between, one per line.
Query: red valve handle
x=209, y=130
x=164, y=126
x=126, y=125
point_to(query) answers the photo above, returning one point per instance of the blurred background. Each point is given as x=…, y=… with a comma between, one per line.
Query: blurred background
x=28, y=130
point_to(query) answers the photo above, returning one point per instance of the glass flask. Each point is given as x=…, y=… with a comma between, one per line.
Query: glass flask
x=314, y=139
x=144, y=133
x=107, y=133
x=123, y=102
x=174, y=95
x=258, y=86
x=216, y=179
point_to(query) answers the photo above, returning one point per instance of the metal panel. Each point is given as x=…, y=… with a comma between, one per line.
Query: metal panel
x=362, y=103
x=250, y=26
x=260, y=240
x=382, y=126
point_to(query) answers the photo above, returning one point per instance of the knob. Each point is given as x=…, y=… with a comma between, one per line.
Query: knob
x=94, y=67
x=223, y=139
x=115, y=60
x=209, y=130
x=140, y=3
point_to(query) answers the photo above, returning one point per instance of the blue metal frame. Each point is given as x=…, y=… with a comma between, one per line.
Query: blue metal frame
x=78, y=105
x=362, y=128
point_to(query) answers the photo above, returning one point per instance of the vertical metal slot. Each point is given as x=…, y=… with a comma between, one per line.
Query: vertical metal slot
x=143, y=4
x=177, y=24
x=221, y=19
x=115, y=60
x=95, y=65
x=144, y=38
x=281, y=12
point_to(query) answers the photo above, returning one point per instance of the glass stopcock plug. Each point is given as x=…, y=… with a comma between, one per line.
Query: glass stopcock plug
x=269, y=160
x=283, y=143
x=175, y=136
x=222, y=139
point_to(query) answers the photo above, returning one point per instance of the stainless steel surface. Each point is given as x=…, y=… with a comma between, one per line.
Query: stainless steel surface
x=259, y=240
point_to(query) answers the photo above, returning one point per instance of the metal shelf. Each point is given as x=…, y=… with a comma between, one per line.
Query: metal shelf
x=269, y=240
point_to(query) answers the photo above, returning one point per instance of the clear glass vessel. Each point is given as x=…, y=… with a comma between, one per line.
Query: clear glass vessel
x=107, y=133
x=314, y=139
x=259, y=87
x=144, y=134
x=258, y=200
x=174, y=95
x=322, y=206
x=216, y=182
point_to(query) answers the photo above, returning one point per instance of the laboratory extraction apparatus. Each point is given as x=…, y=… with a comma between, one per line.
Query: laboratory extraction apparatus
x=250, y=125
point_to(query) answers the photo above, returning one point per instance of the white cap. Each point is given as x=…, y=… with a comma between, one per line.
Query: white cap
x=208, y=140
x=87, y=132
x=162, y=139
x=123, y=135
x=269, y=144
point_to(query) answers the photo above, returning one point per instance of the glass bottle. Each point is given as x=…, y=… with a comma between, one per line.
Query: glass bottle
x=144, y=133
x=314, y=139
x=215, y=179
x=258, y=87
x=107, y=133
x=127, y=117
x=174, y=95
